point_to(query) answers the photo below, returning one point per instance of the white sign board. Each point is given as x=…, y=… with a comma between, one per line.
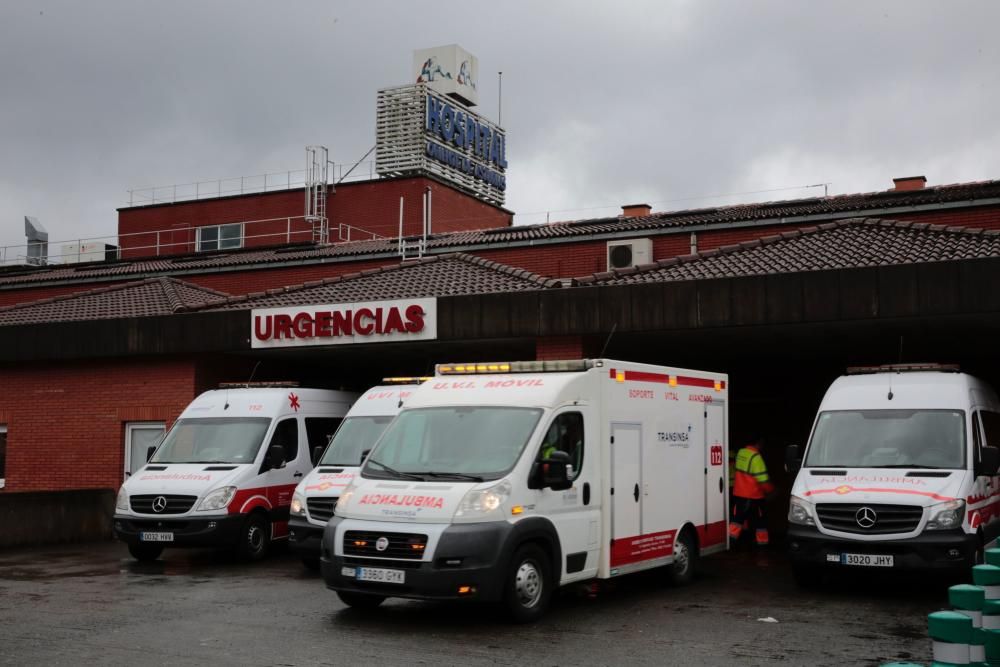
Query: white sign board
x=394, y=321
x=449, y=70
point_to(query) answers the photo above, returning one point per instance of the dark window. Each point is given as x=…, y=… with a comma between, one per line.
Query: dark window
x=977, y=440
x=991, y=427
x=565, y=435
x=220, y=237
x=3, y=454
x=319, y=430
x=286, y=434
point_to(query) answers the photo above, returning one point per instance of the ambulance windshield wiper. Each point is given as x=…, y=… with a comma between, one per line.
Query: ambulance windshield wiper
x=907, y=465
x=455, y=475
x=392, y=471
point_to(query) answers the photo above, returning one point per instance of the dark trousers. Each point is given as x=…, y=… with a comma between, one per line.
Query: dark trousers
x=750, y=511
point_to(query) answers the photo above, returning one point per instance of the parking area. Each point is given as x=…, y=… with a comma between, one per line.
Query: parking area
x=89, y=604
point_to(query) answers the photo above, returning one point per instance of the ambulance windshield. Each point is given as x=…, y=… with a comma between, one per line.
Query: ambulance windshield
x=478, y=443
x=888, y=439
x=355, y=435
x=213, y=440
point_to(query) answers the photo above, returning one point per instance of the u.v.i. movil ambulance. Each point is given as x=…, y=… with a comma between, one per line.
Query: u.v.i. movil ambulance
x=504, y=481
x=224, y=474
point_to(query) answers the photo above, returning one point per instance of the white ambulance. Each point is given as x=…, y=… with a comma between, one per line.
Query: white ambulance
x=504, y=481
x=224, y=473
x=318, y=492
x=899, y=473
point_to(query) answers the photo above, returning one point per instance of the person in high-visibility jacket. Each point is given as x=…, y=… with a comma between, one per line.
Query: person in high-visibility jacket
x=751, y=486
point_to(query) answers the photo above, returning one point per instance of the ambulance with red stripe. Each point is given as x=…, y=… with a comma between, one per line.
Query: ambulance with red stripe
x=900, y=473
x=316, y=495
x=224, y=473
x=502, y=482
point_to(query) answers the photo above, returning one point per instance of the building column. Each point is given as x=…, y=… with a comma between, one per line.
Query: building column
x=560, y=347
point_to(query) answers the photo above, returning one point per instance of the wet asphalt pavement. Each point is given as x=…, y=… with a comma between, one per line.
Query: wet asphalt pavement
x=92, y=604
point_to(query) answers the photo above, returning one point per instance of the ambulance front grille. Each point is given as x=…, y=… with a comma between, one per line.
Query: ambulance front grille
x=877, y=520
x=321, y=509
x=407, y=546
x=171, y=504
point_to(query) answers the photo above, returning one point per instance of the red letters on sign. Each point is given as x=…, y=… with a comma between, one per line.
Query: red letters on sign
x=305, y=324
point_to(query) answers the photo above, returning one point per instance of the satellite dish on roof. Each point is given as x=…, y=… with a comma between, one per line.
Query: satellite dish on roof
x=38, y=241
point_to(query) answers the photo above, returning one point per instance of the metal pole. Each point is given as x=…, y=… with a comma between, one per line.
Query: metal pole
x=400, y=221
x=430, y=214
x=288, y=234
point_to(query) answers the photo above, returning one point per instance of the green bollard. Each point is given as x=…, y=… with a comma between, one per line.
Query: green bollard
x=992, y=557
x=988, y=576
x=969, y=600
x=950, y=633
x=991, y=631
x=901, y=664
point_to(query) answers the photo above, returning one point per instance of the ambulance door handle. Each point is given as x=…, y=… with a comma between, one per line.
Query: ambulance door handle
x=720, y=485
x=586, y=493
x=297, y=474
x=635, y=492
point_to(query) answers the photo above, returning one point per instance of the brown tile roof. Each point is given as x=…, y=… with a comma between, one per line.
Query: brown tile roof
x=853, y=243
x=143, y=298
x=440, y=275
x=851, y=204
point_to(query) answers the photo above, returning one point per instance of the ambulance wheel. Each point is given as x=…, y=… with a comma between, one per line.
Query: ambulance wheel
x=311, y=563
x=528, y=587
x=360, y=600
x=255, y=538
x=145, y=552
x=685, y=559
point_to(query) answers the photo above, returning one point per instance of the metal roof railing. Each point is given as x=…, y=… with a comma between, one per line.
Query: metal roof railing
x=241, y=185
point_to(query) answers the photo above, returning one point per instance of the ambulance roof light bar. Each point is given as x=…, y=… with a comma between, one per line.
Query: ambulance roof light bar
x=406, y=380
x=282, y=384
x=546, y=366
x=902, y=368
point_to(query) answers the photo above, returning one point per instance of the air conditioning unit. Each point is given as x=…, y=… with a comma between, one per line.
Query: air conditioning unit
x=631, y=252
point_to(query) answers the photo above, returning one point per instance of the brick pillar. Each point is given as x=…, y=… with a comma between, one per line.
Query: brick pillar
x=559, y=347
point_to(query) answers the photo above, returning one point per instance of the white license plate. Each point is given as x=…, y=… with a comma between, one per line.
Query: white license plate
x=866, y=560
x=156, y=537
x=381, y=575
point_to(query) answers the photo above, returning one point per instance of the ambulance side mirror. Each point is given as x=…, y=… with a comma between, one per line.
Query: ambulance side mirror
x=793, y=459
x=989, y=461
x=555, y=471
x=317, y=453
x=150, y=452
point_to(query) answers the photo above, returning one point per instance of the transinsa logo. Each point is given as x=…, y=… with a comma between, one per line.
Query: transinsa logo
x=482, y=148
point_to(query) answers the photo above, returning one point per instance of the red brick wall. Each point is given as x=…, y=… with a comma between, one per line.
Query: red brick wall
x=559, y=347
x=372, y=206
x=66, y=422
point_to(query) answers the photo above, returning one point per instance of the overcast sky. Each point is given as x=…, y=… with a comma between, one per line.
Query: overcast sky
x=604, y=103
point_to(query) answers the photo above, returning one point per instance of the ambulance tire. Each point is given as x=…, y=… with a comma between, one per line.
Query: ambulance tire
x=360, y=600
x=528, y=585
x=255, y=538
x=311, y=563
x=685, y=559
x=145, y=553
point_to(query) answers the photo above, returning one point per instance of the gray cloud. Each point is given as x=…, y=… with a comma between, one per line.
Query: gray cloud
x=604, y=103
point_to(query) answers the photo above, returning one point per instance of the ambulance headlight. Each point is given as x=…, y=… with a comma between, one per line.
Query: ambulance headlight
x=122, y=502
x=483, y=503
x=947, y=515
x=345, y=499
x=217, y=499
x=800, y=512
x=298, y=507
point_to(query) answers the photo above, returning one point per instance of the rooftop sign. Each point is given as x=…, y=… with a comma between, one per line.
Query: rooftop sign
x=449, y=70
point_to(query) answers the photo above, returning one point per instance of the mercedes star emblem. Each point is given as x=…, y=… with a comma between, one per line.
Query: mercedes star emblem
x=159, y=504
x=865, y=517
x=381, y=544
